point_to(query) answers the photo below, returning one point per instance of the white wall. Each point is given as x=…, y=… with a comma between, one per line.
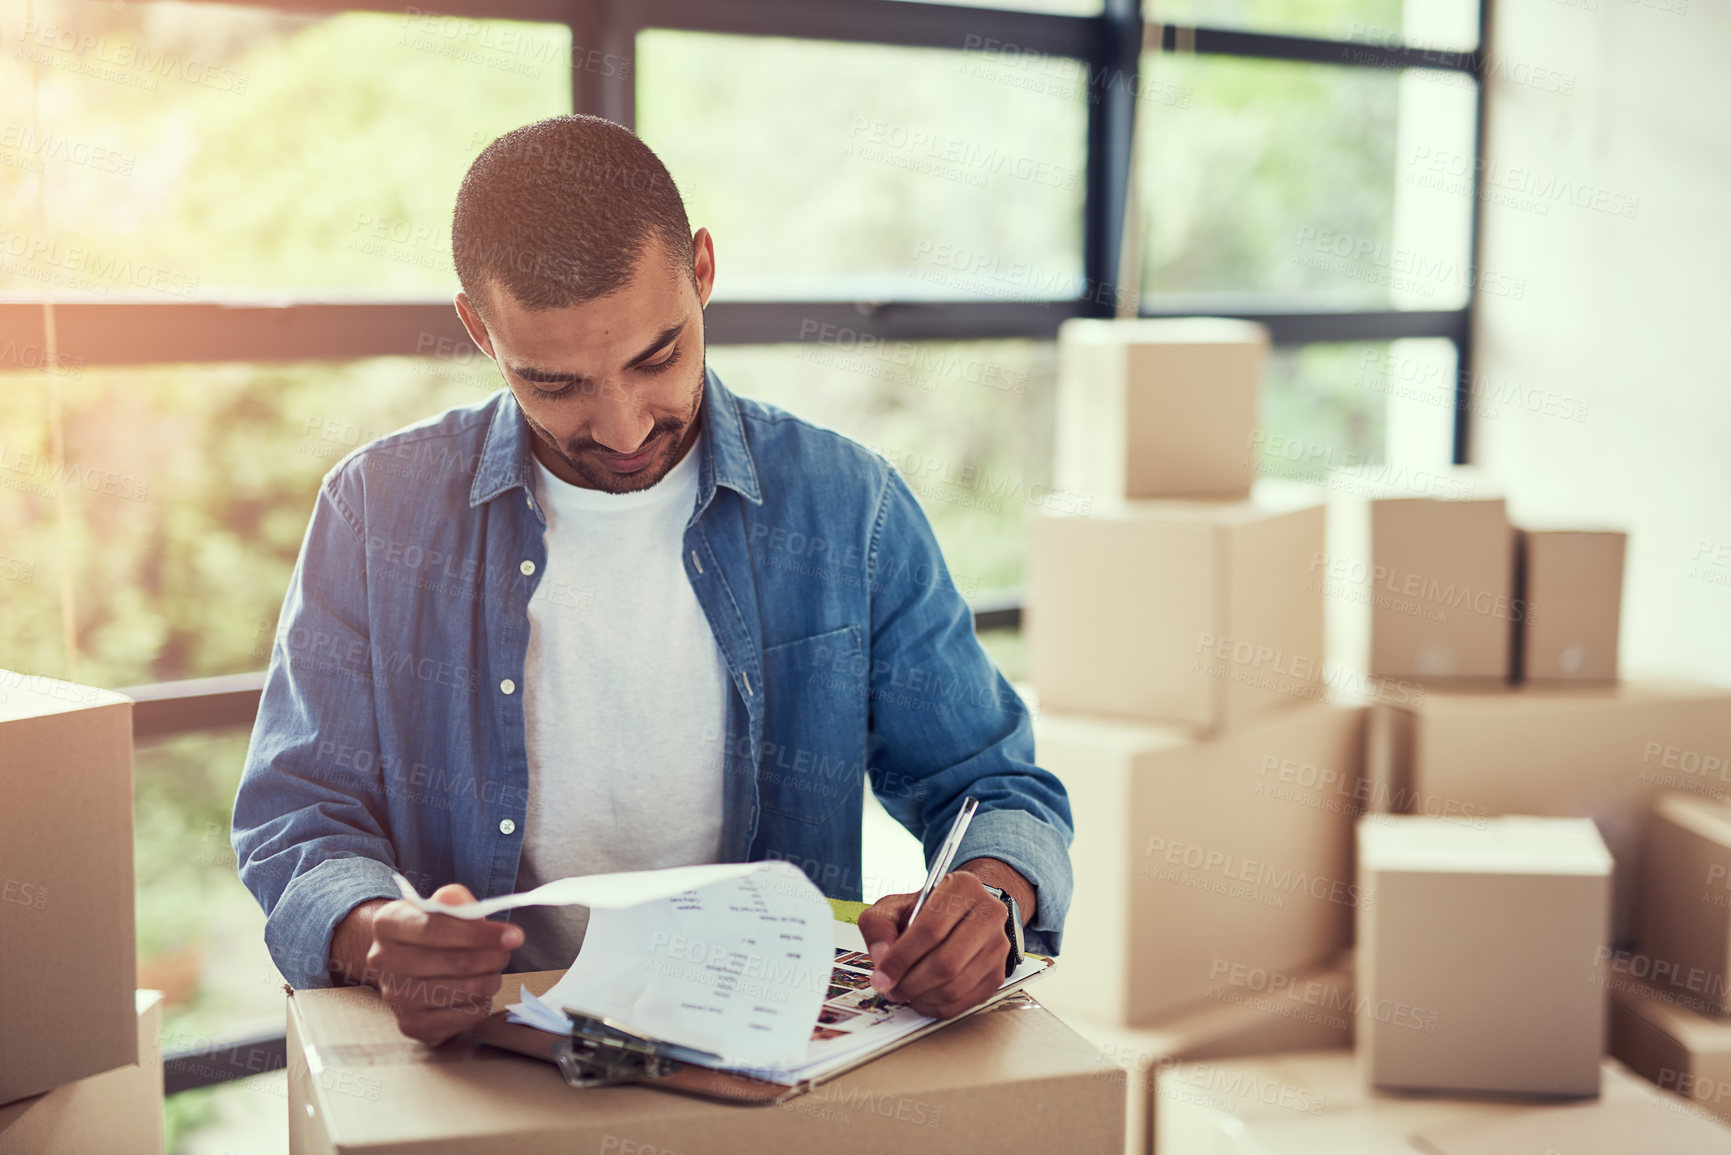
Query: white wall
x=1628, y=316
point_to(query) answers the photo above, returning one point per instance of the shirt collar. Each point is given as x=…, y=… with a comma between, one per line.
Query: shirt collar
x=505, y=457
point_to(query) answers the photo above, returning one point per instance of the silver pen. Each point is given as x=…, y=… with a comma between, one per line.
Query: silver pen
x=946, y=854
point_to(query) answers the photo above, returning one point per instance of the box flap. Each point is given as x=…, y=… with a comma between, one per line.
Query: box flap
x=33, y=696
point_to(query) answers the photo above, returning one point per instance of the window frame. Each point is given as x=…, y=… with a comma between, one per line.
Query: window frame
x=1110, y=43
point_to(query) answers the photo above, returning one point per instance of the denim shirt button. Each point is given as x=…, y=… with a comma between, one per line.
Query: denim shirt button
x=508, y=686
x=527, y=568
x=506, y=826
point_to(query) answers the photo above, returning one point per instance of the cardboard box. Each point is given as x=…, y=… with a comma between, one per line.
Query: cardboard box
x=1612, y=1128
x=1198, y=857
x=1197, y=614
x=1442, y=588
x=1312, y=1105
x=1598, y=752
x=1686, y=895
x=118, y=1110
x=1572, y=595
x=1011, y=1077
x=1673, y=1039
x=1477, y=950
x=68, y=970
x=1158, y=408
x=1250, y=1012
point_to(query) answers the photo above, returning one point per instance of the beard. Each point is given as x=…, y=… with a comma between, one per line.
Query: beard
x=670, y=434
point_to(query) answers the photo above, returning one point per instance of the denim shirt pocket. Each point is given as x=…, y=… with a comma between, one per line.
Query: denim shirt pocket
x=815, y=705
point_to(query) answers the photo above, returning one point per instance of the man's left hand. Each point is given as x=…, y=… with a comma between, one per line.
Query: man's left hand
x=953, y=956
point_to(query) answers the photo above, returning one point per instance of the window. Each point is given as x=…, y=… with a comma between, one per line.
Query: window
x=1443, y=23
x=180, y=504
x=197, y=152
x=968, y=424
x=907, y=201
x=1304, y=182
x=851, y=171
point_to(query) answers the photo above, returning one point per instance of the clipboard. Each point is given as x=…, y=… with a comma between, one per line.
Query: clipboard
x=600, y=1053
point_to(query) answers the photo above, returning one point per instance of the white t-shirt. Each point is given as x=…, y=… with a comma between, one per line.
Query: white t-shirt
x=624, y=693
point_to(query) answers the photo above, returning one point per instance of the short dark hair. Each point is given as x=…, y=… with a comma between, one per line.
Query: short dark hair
x=558, y=213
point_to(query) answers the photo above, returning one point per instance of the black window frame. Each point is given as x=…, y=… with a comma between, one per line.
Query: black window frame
x=1111, y=44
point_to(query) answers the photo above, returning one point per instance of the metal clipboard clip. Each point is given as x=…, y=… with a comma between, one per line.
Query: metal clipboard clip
x=603, y=1052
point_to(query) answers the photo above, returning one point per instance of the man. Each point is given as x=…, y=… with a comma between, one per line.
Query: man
x=615, y=618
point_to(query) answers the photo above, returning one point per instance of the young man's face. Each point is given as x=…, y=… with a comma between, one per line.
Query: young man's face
x=611, y=388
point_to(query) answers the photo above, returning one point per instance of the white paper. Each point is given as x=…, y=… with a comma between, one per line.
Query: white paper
x=627, y=888
x=857, y=1022
x=737, y=967
x=853, y=1022
x=730, y=959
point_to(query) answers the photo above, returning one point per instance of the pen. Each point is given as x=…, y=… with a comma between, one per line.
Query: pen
x=946, y=853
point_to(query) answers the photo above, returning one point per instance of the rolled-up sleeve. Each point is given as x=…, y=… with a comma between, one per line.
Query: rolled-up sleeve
x=310, y=833
x=945, y=724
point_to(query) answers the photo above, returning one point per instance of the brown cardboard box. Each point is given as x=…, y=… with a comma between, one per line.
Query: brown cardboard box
x=1572, y=594
x=1197, y=857
x=1316, y=1104
x=1686, y=895
x=1012, y=1077
x=1185, y=612
x=1442, y=588
x=1478, y=943
x=1250, y=1012
x=67, y=964
x=1158, y=408
x=1673, y=1039
x=1596, y=752
x=118, y=1110
x=1352, y=584
x=1611, y=1128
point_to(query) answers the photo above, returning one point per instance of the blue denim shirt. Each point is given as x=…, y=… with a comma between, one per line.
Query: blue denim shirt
x=391, y=730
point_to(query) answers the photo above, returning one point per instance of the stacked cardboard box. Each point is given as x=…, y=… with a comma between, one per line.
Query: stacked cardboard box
x=1431, y=583
x=1190, y=613
x=68, y=973
x=1175, y=640
x=1249, y=1011
x=1443, y=596
x=1158, y=408
x=118, y=1110
x=1686, y=897
x=1201, y=855
x=1009, y=1078
x=1176, y=598
x=1671, y=995
x=1572, y=587
x=1478, y=943
x=1599, y=752
x=1670, y=1035
x=1315, y=1103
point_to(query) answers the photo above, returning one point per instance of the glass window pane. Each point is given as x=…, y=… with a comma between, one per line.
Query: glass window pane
x=1366, y=409
x=1318, y=413
x=1303, y=180
x=968, y=424
x=199, y=151
x=1446, y=24
x=849, y=171
x=188, y=487
x=186, y=491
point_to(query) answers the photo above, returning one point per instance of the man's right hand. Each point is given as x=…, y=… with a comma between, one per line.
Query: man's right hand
x=437, y=974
